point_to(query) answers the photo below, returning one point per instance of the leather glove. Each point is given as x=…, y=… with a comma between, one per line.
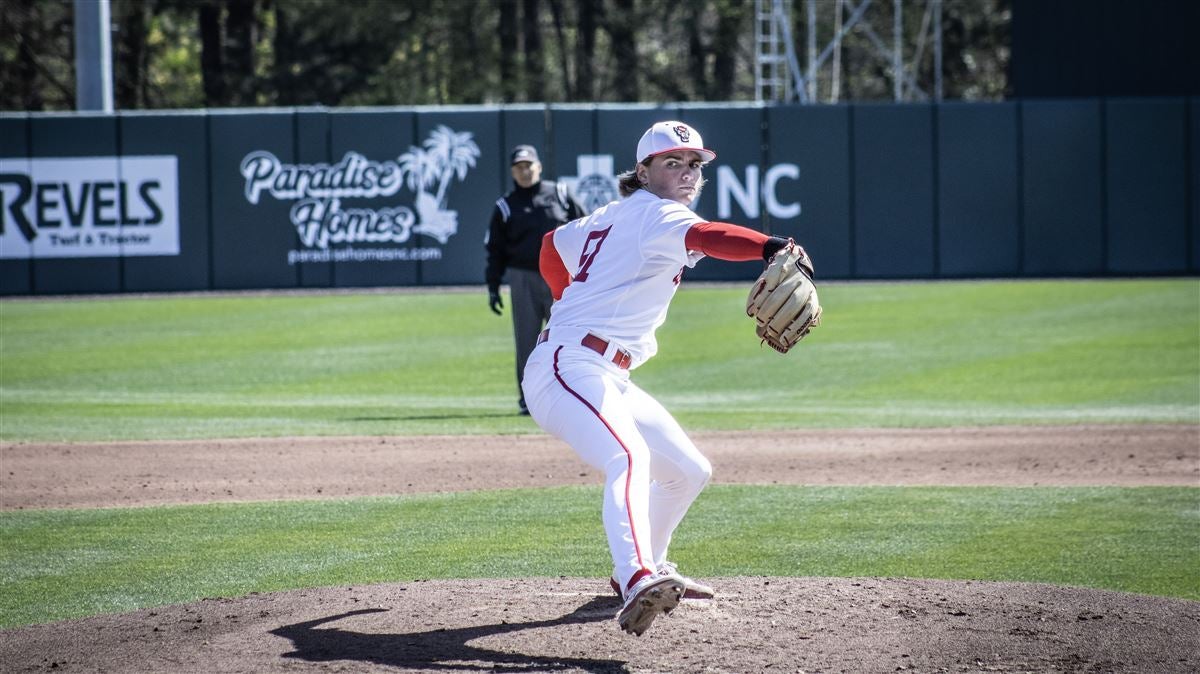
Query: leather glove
x=783, y=301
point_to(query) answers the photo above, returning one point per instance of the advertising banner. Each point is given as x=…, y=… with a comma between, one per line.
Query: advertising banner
x=313, y=141
x=89, y=207
x=363, y=220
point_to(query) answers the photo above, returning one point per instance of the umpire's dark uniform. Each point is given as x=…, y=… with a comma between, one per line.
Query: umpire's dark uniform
x=519, y=221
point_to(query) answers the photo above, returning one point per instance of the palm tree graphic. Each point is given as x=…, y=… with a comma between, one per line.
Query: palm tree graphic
x=446, y=154
x=419, y=168
x=454, y=153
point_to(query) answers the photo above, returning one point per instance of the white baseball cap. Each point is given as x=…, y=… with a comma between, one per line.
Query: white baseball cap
x=668, y=136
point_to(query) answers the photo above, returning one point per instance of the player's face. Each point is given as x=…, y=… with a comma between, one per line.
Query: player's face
x=527, y=173
x=677, y=176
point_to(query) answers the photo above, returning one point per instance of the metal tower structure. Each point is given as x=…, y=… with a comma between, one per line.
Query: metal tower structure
x=774, y=56
x=777, y=72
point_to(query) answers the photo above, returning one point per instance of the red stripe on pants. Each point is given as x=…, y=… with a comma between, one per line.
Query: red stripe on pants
x=628, y=455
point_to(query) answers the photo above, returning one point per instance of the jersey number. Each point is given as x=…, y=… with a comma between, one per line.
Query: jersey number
x=590, y=251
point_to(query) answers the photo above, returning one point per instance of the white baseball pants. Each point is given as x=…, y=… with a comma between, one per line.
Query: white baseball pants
x=653, y=472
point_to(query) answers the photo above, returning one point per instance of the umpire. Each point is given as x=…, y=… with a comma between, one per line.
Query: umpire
x=514, y=240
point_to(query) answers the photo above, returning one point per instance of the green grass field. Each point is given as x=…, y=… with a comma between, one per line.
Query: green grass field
x=895, y=354
x=59, y=564
x=889, y=354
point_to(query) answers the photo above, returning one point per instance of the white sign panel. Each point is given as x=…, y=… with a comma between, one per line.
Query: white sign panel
x=67, y=207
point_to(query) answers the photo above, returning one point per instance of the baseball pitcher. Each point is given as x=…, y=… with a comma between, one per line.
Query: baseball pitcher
x=613, y=275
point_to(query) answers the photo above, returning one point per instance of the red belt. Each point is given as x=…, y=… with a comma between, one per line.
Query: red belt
x=621, y=358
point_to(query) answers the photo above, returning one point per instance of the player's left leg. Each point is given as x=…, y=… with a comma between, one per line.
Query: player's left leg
x=679, y=472
x=577, y=396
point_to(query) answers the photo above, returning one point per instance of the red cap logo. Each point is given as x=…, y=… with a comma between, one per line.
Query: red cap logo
x=683, y=132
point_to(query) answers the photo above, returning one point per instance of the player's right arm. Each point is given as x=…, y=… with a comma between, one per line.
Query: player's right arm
x=551, y=266
x=734, y=243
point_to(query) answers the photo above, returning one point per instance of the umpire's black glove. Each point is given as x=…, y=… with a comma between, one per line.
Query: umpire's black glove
x=494, y=301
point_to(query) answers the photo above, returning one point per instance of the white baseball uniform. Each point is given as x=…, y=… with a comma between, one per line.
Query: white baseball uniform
x=625, y=261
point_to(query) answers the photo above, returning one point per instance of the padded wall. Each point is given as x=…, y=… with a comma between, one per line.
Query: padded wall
x=894, y=211
x=978, y=194
x=367, y=197
x=184, y=136
x=1146, y=200
x=16, y=268
x=77, y=137
x=1062, y=188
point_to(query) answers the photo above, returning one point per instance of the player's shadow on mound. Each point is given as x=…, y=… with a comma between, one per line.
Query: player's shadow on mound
x=447, y=649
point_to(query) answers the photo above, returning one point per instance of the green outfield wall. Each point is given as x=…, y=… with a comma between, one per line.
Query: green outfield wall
x=323, y=198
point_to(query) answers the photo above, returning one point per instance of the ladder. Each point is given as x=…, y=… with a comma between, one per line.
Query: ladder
x=772, y=80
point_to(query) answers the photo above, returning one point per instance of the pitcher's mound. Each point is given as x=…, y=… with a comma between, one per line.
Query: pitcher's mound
x=754, y=625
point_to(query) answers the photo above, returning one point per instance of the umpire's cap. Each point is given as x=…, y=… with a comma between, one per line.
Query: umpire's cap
x=522, y=153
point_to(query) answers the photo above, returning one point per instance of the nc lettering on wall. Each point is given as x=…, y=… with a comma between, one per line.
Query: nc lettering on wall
x=71, y=207
x=751, y=193
x=595, y=184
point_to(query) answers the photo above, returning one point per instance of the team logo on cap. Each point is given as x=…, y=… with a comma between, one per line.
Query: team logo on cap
x=683, y=132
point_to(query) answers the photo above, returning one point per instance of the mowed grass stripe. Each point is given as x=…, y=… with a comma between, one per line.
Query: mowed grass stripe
x=888, y=354
x=64, y=563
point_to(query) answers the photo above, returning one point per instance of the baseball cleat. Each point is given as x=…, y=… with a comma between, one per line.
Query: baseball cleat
x=656, y=593
x=692, y=589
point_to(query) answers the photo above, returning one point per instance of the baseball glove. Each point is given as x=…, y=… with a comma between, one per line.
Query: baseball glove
x=783, y=301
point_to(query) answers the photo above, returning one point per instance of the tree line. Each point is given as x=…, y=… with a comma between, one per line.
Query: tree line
x=244, y=53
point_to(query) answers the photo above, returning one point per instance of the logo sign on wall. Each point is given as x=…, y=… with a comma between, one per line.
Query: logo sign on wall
x=329, y=230
x=594, y=182
x=66, y=207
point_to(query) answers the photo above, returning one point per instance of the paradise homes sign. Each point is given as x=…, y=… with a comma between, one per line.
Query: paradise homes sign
x=329, y=230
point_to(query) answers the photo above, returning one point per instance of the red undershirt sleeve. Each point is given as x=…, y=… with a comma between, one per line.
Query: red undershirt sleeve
x=725, y=241
x=551, y=266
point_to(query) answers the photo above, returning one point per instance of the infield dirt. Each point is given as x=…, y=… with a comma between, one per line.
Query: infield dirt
x=566, y=624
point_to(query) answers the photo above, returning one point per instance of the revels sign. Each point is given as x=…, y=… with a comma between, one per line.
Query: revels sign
x=74, y=207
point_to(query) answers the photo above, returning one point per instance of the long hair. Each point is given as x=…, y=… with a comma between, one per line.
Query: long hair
x=628, y=183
